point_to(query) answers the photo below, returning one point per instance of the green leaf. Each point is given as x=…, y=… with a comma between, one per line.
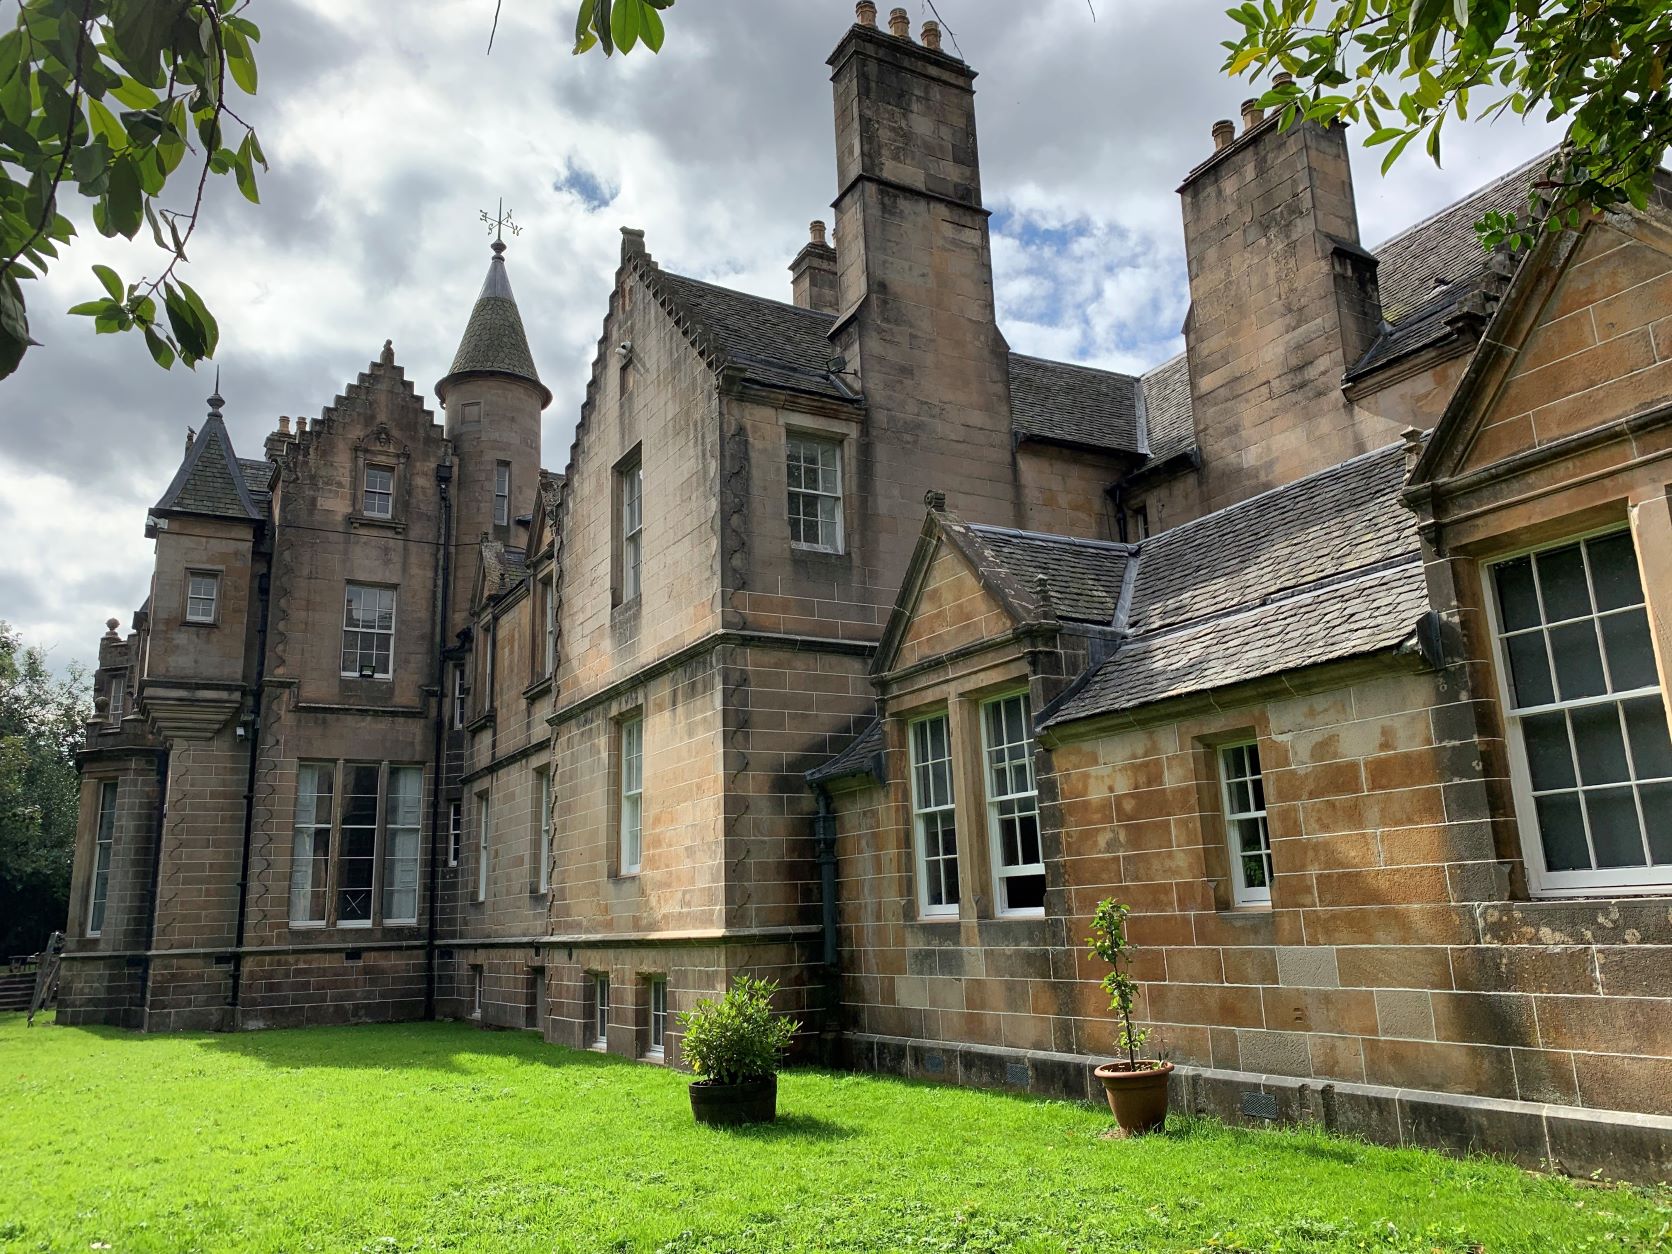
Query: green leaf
x=111, y=282
x=139, y=32
x=91, y=309
x=124, y=205
x=243, y=169
x=135, y=94
x=601, y=25
x=106, y=127
x=240, y=63
x=624, y=24
x=161, y=353
x=651, y=32
x=585, y=40
x=211, y=331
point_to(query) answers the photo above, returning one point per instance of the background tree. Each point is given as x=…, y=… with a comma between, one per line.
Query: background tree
x=41, y=726
x=1404, y=68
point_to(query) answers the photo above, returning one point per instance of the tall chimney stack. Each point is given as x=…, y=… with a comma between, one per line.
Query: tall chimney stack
x=813, y=272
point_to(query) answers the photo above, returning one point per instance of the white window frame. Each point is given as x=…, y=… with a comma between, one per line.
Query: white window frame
x=455, y=832
x=934, y=811
x=501, y=493
x=657, y=997
x=630, y=757
x=359, y=651
x=306, y=831
x=459, y=707
x=821, y=446
x=379, y=501
x=1242, y=892
x=402, y=842
x=998, y=802
x=203, y=606
x=104, y=844
x=484, y=843
x=1543, y=882
x=478, y=978
x=543, y=824
x=600, y=1011
x=632, y=530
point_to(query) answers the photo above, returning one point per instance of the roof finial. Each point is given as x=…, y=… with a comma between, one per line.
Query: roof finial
x=215, y=401
x=497, y=225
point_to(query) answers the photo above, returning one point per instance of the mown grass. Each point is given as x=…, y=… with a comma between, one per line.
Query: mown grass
x=438, y=1136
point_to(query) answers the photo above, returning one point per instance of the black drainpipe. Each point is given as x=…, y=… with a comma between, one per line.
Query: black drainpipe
x=443, y=480
x=263, y=590
x=154, y=891
x=824, y=846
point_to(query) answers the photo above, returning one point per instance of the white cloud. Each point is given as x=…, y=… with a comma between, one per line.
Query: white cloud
x=388, y=128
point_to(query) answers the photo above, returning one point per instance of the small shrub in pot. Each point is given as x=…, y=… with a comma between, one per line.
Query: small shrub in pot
x=735, y=1046
x=1136, y=1087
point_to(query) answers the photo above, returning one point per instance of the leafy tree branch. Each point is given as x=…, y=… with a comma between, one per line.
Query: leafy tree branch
x=1404, y=68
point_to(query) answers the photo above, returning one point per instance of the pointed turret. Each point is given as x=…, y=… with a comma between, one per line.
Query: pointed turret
x=492, y=397
x=210, y=480
x=494, y=343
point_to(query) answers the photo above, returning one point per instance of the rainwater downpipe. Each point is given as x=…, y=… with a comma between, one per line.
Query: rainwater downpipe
x=443, y=480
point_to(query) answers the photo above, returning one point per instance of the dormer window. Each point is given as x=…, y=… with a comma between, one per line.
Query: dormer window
x=378, y=498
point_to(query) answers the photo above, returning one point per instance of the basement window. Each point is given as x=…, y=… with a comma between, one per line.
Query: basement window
x=658, y=991
x=600, y=1011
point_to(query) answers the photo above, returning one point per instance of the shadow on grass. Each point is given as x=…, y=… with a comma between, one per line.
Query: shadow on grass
x=791, y=1127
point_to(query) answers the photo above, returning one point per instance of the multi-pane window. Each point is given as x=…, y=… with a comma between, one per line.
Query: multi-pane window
x=658, y=1016
x=1012, y=804
x=600, y=1010
x=203, y=590
x=933, y=817
x=400, y=850
x=455, y=833
x=458, y=695
x=501, y=493
x=631, y=754
x=357, y=861
x=117, y=694
x=484, y=835
x=1245, y=823
x=310, y=859
x=543, y=821
x=368, y=632
x=815, y=493
x=377, y=499
x=104, y=840
x=1593, y=767
x=476, y=982
x=549, y=601
x=632, y=529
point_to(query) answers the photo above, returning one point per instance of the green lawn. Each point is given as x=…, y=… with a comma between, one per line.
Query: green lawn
x=439, y=1136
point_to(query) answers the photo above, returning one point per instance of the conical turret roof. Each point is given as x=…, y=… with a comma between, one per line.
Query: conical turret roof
x=494, y=342
x=210, y=479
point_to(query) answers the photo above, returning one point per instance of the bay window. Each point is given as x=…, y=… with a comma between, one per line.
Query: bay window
x=934, y=820
x=1012, y=805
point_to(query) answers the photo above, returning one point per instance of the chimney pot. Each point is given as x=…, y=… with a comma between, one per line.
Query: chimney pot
x=931, y=36
x=1224, y=131
x=865, y=12
x=899, y=24
x=301, y=426
x=815, y=231
x=1252, y=115
x=284, y=424
x=1282, y=78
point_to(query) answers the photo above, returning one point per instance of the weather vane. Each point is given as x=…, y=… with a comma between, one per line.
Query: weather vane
x=500, y=224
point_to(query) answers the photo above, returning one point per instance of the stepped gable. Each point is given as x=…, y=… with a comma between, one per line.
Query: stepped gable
x=1319, y=570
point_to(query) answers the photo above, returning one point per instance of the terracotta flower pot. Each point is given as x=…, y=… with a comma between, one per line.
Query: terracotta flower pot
x=1137, y=1098
x=727, y=1105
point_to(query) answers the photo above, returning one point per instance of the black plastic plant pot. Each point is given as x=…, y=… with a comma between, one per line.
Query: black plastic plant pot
x=728, y=1105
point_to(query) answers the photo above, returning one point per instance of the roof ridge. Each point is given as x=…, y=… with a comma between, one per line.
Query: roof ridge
x=1480, y=190
x=1162, y=365
x=737, y=291
x=1076, y=365
x=1083, y=541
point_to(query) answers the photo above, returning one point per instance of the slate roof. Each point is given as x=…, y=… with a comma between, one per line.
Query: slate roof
x=1083, y=577
x=494, y=341
x=258, y=478
x=1321, y=569
x=777, y=344
x=1169, y=425
x=1054, y=400
x=1445, y=246
x=864, y=754
x=210, y=479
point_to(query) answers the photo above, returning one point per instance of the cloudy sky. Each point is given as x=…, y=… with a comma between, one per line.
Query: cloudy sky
x=388, y=126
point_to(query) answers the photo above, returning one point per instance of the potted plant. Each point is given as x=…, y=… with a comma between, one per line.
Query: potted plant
x=735, y=1045
x=1136, y=1087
